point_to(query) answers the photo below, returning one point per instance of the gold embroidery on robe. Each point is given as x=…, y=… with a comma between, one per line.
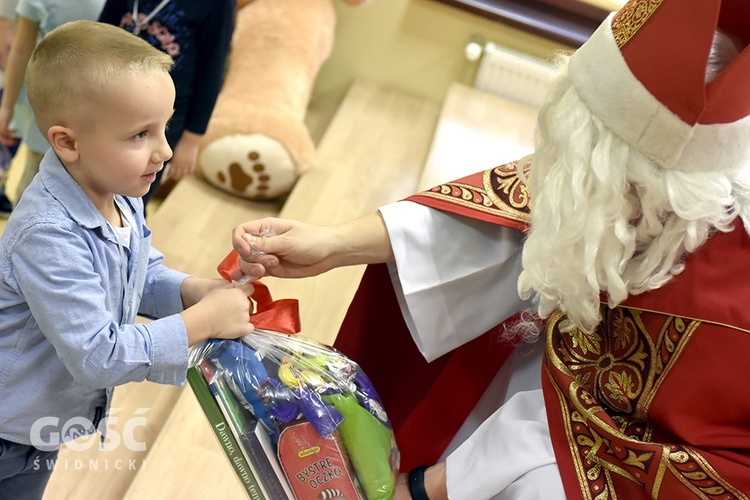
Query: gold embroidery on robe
x=605, y=383
x=692, y=470
x=502, y=194
x=631, y=18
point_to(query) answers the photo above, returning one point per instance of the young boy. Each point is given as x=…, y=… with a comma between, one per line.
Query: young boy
x=76, y=264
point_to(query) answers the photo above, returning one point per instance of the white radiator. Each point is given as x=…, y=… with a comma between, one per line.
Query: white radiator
x=510, y=74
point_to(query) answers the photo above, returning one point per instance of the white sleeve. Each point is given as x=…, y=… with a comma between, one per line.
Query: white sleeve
x=506, y=453
x=509, y=457
x=455, y=277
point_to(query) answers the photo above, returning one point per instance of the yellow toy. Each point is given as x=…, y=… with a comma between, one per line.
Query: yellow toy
x=257, y=143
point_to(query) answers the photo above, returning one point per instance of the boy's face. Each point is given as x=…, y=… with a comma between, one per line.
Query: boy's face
x=121, y=137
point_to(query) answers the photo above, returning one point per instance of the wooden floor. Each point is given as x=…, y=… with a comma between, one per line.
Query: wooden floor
x=376, y=148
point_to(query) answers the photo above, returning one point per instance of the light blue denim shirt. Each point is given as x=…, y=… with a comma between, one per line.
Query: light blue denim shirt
x=62, y=344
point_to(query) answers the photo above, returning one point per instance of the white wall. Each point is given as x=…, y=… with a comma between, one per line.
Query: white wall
x=415, y=45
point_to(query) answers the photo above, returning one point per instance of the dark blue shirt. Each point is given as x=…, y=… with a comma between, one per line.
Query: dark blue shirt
x=197, y=34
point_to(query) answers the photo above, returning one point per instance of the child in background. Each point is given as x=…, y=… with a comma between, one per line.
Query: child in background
x=34, y=19
x=76, y=264
x=197, y=34
x=7, y=20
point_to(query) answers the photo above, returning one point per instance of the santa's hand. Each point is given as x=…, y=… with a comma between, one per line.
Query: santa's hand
x=283, y=248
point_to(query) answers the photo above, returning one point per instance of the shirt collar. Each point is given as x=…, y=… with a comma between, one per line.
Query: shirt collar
x=59, y=183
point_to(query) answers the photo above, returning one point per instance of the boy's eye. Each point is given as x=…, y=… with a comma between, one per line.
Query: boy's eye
x=140, y=135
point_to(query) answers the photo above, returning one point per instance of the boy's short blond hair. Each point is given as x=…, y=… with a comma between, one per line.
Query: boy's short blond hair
x=79, y=58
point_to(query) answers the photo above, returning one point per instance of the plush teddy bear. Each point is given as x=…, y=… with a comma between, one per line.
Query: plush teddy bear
x=257, y=143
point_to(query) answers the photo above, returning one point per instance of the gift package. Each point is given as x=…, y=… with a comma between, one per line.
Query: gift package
x=297, y=419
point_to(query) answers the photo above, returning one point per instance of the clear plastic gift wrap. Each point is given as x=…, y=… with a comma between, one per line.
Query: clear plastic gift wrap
x=306, y=419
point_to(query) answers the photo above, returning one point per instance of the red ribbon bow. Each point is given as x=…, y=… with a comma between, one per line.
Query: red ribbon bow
x=278, y=315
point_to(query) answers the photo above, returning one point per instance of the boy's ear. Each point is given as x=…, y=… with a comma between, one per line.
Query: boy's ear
x=63, y=142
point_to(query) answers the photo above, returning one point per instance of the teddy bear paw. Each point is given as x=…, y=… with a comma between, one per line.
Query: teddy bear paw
x=251, y=166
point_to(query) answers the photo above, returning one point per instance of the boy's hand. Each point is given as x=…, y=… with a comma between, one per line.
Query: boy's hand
x=193, y=289
x=223, y=313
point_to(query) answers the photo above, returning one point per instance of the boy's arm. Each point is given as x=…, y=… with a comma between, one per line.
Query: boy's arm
x=162, y=290
x=77, y=310
x=208, y=307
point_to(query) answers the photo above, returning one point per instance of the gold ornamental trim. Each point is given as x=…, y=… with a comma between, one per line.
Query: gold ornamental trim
x=507, y=190
x=697, y=475
x=464, y=195
x=502, y=194
x=631, y=18
x=607, y=439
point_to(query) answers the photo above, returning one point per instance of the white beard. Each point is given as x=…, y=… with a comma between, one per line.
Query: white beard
x=606, y=218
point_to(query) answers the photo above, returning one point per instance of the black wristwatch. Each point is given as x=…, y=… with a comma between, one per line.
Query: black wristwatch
x=416, y=483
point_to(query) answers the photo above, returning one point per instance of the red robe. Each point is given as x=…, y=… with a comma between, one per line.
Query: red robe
x=653, y=404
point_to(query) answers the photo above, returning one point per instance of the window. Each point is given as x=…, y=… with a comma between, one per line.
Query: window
x=567, y=21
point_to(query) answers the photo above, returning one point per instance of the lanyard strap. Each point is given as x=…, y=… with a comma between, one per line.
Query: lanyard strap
x=137, y=24
x=129, y=308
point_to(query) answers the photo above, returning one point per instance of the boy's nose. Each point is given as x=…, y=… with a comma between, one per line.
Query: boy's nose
x=163, y=152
